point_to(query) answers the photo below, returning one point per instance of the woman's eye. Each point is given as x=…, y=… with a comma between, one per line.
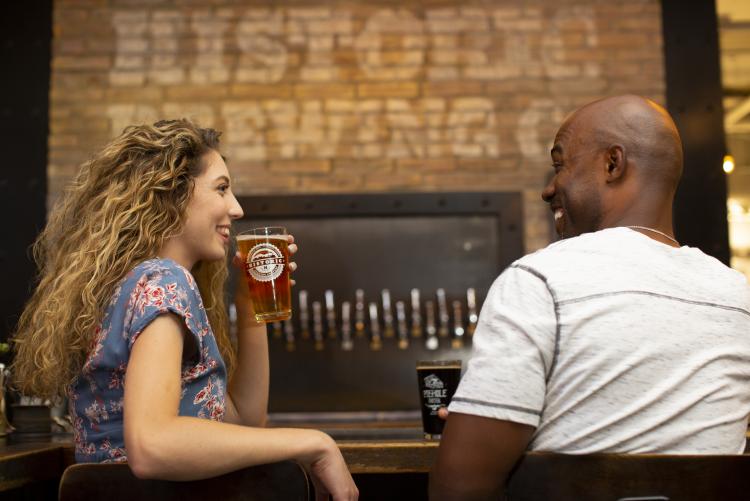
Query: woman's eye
x=223, y=188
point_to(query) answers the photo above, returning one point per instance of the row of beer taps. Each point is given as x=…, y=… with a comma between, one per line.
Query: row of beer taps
x=430, y=322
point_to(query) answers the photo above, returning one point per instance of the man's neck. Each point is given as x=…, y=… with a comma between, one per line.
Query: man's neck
x=657, y=228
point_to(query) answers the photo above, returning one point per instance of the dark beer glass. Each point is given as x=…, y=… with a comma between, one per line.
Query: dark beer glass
x=265, y=256
x=438, y=380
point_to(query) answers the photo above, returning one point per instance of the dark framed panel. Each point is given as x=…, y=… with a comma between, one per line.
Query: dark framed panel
x=371, y=242
x=425, y=239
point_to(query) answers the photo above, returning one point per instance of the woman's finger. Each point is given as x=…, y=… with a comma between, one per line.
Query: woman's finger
x=292, y=268
x=292, y=250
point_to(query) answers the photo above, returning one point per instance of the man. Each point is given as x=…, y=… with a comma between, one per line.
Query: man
x=615, y=339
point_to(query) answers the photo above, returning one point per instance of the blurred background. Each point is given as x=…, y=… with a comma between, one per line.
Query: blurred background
x=383, y=97
x=734, y=32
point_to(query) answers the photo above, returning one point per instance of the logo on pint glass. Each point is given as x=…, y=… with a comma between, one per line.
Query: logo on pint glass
x=433, y=382
x=265, y=262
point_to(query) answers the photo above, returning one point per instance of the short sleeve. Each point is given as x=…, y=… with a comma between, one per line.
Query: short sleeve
x=514, y=347
x=157, y=292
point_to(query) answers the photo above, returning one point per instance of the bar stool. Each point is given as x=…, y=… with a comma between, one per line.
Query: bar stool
x=563, y=477
x=281, y=481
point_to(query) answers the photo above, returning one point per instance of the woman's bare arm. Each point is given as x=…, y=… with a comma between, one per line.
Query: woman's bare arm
x=162, y=444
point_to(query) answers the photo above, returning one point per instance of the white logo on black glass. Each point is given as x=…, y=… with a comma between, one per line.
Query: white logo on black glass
x=433, y=382
x=265, y=262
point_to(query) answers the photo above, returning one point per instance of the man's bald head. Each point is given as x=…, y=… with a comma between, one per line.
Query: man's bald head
x=644, y=129
x=617, y=162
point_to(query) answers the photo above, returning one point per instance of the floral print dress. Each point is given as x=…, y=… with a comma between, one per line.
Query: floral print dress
x=152, y=288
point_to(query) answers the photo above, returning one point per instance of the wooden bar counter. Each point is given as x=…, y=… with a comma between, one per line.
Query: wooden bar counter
x=382, y=461
x=32, y=469
x=388, y=456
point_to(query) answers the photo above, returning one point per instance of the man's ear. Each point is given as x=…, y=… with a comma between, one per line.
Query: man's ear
x=616, y=163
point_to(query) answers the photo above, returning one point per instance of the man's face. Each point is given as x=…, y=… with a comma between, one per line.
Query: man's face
x=574, y=191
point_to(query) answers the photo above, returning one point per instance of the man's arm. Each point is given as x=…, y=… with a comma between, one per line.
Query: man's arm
x=475, y=457
x=501, y=396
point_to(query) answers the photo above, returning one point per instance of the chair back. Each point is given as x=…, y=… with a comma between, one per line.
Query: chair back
x=281, y=481
x=603, y=477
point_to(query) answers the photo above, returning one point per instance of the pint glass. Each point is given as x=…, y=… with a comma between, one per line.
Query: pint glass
x=265, y=256
x=438, y=381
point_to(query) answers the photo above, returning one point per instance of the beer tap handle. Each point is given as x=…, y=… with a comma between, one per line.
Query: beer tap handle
x=403, y=330
x=471, y=306
x=416, y=315
x=376, y=343
x=317, y=326
x=330, y=314
x=388, y=330
x=304, y=315
x=359, y=312
x=442, y=313
x=431, y=343
x=429, y=313
x=291, y=343
x=458, y=326
x=346, y=327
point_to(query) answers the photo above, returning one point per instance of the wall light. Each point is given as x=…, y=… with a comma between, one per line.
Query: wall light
x=728, y=164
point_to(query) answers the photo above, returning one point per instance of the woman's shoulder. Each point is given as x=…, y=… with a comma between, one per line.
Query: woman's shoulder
x=155, y=274
x=161, y=269
x=155, y=286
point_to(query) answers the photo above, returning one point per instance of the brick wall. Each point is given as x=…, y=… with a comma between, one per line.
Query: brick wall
x=431, y=95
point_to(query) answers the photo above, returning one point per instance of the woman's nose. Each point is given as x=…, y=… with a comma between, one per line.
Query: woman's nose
x=235, y=209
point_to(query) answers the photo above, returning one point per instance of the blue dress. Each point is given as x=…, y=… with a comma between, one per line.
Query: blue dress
x=152, y=288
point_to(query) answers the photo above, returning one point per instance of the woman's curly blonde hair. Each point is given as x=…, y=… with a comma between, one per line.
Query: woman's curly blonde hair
x=123, y=205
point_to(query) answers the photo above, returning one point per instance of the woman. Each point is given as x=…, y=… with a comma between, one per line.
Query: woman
x=128, y=320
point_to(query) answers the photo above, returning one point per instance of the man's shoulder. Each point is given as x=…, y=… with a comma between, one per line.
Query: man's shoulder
x=566, y=254
x=618, y=258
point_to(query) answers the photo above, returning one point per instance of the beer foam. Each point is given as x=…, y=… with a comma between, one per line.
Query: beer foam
x=438, y=364
x=262, y=237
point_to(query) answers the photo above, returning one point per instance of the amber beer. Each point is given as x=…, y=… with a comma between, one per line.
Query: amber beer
x=265, y=255
x=438, y=381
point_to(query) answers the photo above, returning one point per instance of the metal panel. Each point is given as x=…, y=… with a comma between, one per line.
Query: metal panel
x=396, y=241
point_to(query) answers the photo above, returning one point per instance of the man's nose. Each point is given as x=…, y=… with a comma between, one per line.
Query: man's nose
x=549, y=191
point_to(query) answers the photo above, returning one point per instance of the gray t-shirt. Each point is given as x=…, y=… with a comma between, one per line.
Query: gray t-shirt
x=614, y=342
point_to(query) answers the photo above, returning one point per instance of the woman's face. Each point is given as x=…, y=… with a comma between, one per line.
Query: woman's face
x=209, y=215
